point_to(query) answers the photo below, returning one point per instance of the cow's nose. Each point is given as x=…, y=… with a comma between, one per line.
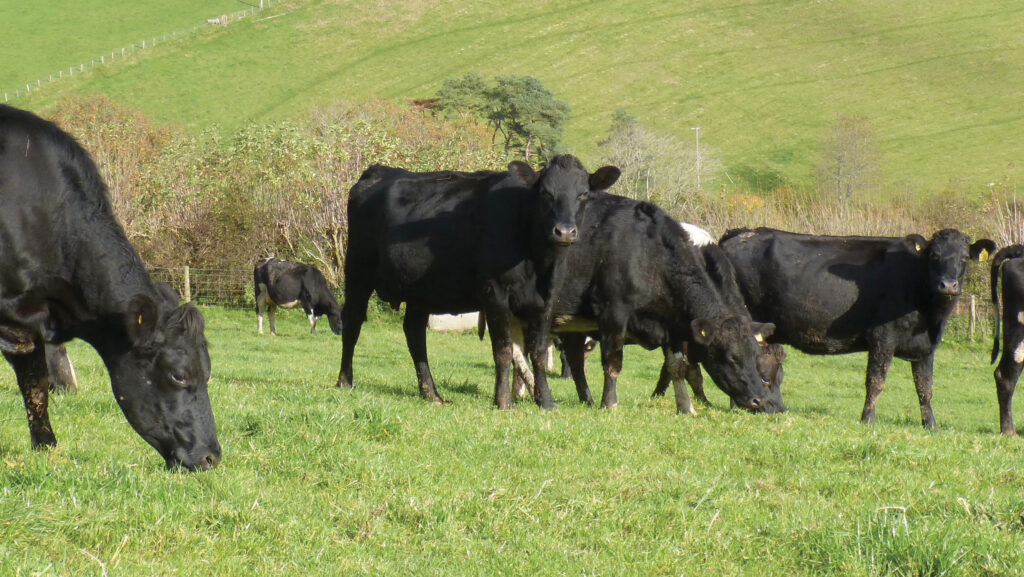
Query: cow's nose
x=564, y=234
x=949, y=287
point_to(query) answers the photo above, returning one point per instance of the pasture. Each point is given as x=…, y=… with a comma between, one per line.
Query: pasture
x=317, y=480
x=935, y=80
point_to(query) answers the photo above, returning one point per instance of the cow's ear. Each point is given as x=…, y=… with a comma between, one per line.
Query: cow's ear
x=763, y=330
x=141, y=319
x=703, y=331
x=982, y=248
x=915, y=243
x=604, y=177
x=522, y=172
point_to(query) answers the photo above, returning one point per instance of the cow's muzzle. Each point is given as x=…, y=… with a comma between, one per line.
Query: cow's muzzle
x=564, y=234
x=949, y=287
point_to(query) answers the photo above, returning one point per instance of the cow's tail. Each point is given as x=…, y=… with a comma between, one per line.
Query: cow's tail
x=481, y=325
x=1004, y=254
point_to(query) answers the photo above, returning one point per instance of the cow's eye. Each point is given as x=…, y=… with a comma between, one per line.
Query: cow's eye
x=179, y=380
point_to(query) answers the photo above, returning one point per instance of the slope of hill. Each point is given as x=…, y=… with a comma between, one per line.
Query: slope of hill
x=939, y=82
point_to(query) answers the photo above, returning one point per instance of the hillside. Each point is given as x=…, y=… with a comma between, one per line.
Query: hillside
x=939, y=82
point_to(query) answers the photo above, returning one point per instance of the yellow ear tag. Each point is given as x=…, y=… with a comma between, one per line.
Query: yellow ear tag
x=917, y=247
x=703, y=333
x=759, y=338
x=140, y=320
x=983, y=256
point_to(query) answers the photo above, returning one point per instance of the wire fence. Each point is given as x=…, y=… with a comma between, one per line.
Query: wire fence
x=126, y=51
x=972, y=318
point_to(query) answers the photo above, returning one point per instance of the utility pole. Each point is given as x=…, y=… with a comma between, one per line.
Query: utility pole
x=696, y=131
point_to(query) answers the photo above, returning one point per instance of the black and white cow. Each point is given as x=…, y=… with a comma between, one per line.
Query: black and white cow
x=69, y=272
x=634, y=276
x=454, y=242
x=279, y=283
x=833, y=295
x=1008, y=263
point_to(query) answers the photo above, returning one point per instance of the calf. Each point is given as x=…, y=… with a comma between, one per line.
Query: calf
x=69, y=272
x=635, y=276
x=1008, y=263
x=833, y=295
x=454, y=242
x=279, y=283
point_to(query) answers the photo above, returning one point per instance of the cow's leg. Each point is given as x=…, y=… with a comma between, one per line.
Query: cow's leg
x=499, y=326
x=353, y=315
x=415, y=328
x=695, y=378
x=536, y=337
x=878, y=365
x=574, y=349
x=922, y=371
x=563, y=359
x=675, y=366
x=61, y=372
x=612, y=342
x=261, y=306
x=523, y=382
x=664, y=378
x=271, y=309
x=312, y=321
x=1006, y=376
x=30, y=370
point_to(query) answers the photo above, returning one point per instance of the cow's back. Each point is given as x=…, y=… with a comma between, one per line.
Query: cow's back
x=825, y=293
x=420, y=237
x=55, y=208
x=630, y=253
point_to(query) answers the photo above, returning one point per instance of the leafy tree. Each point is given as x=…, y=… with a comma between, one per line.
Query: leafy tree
x=522, y=115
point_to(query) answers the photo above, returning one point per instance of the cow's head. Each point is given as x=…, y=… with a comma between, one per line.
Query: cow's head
x=946, y=257
x=732, y=346
x=562, y=188
x=334, y=319
x=160, y=381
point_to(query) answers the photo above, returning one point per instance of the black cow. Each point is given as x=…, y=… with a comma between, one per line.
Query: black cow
x=279, y=283
x=68, y=271
x=769, y=356
x=832, y=295
x=454, y=242
x=635, y=276
x=1010, y=262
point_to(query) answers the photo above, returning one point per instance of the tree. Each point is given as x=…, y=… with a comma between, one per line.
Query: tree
x=522, y=115
x=849, y=163
x=655, y=167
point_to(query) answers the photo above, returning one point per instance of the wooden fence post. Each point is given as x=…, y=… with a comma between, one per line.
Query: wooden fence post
x=188, y=286
x=974, y=317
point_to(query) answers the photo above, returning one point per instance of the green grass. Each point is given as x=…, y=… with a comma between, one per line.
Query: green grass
x=938, y=81
x=373, y=481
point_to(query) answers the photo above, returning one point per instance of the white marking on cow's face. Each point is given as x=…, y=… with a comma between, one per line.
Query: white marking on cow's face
x=1018, y=353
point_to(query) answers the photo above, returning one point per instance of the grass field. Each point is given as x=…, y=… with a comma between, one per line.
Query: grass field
x=319, y=481
x=939, y=82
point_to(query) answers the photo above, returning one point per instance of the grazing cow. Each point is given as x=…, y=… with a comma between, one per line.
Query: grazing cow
x=279, y=283
x=68, y=271
x=832, y=295
x=635, y=276
x=454, y=242
x=1008, y=262
x=769, y=356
